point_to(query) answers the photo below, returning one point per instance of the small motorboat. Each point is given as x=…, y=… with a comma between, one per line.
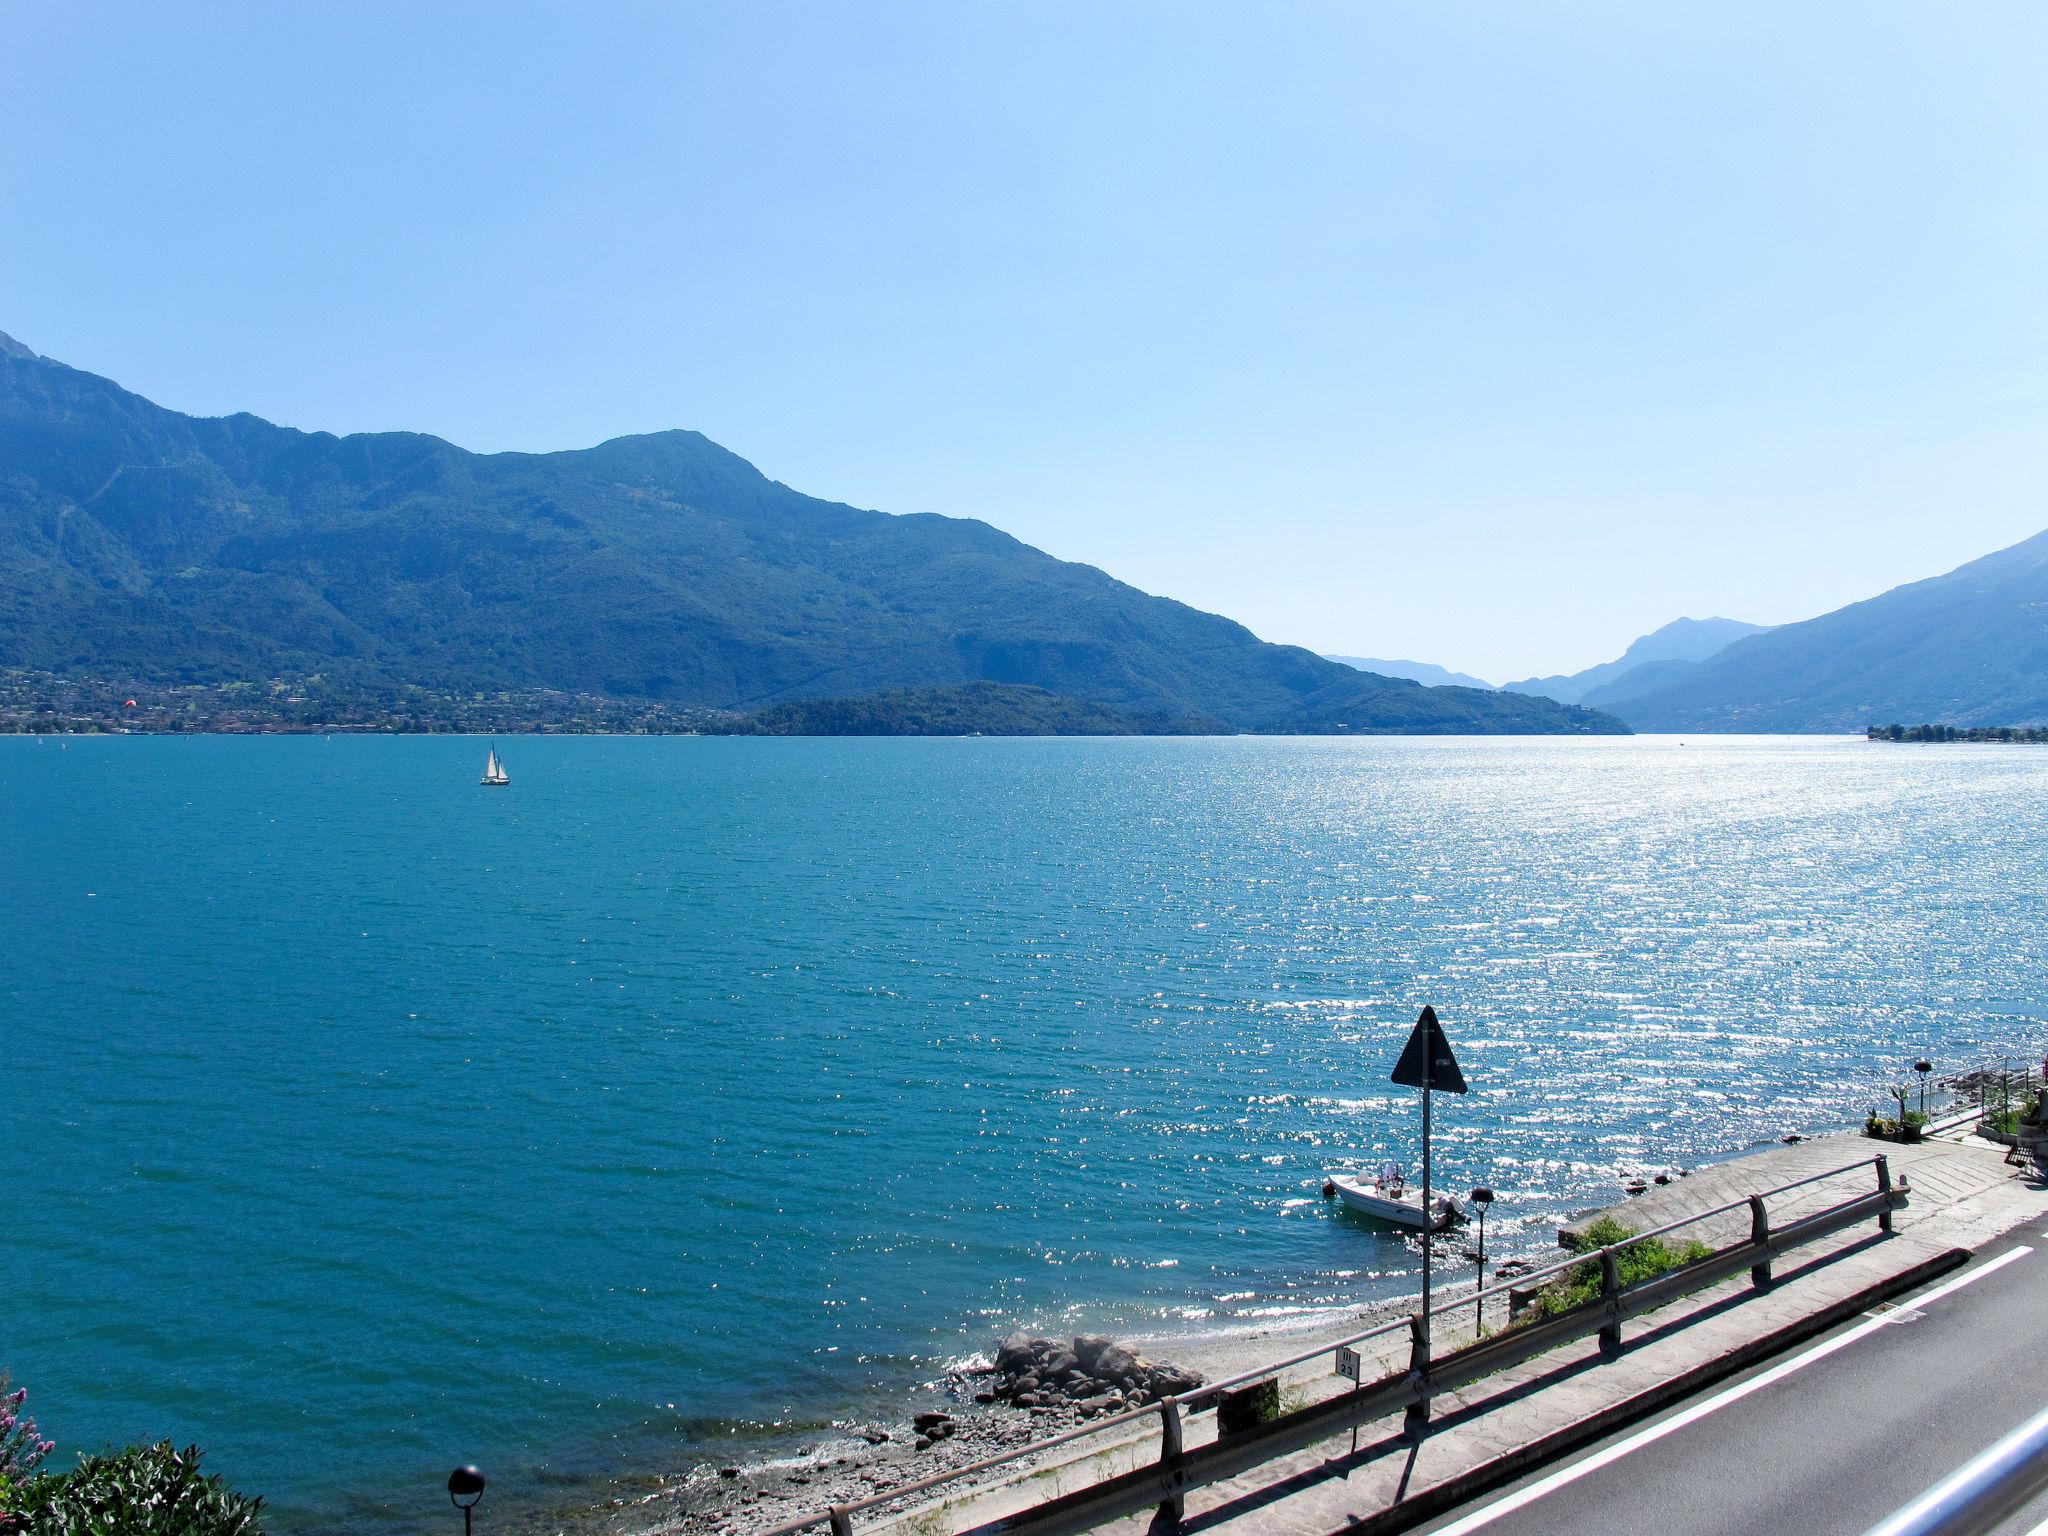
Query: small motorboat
x=1389, y=1197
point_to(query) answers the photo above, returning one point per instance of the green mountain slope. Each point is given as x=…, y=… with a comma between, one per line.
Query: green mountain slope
x=138, y=542
x=1967, y=648
x=969, y=709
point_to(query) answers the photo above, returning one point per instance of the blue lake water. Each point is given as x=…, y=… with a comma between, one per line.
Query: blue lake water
x=359, y=1120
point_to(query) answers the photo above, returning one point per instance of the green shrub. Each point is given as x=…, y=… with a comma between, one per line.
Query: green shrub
x=1643, y=1259
x=143, y=1490
x=2009, y=1122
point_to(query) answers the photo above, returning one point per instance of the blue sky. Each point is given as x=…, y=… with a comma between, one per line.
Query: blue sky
x=1487, y=334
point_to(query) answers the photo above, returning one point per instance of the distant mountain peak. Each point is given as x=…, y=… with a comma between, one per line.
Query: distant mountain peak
x=1967, y=648
x=1428, y=673
x=1689, y=639
x=9, y=347
x=1682, y=640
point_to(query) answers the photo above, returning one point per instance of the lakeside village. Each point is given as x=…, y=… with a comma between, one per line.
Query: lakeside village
x=1036, y=1393
x=42, y=703
x=1942, y=733
x=45, y=703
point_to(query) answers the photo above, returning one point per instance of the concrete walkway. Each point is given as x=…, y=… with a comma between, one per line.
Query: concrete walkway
x=1941, y=1172
x=1962, y=1195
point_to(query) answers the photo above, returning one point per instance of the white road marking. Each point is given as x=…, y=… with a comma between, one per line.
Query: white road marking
x=1565, y=1476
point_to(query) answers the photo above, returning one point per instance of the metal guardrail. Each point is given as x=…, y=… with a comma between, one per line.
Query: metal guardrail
x=1974, y=1087
x=1166, y=1481
x=1981, y=1493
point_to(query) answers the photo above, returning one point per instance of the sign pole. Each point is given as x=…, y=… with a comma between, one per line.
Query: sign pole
x=1427, y=1213
x=1427, y=1063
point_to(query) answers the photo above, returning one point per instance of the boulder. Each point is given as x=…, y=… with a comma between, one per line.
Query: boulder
x=1045, y=1374
x=1016, y=1353
x=1169, y=1380
x=1114, y=1363
x=925, y=1423
x=1089, y=1346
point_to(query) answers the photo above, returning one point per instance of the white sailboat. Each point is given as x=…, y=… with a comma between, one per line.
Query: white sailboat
x=1388, y=1198
x=494, y=771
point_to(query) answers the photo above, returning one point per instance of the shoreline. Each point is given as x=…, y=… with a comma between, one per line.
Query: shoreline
x=864, y=1458
x=861, y=1458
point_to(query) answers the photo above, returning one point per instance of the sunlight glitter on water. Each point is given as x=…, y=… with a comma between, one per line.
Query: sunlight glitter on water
x=758, y=1076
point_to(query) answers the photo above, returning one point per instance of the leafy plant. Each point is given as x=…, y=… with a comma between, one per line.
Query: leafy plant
x=22, y=1448
x=1643, y=1259
x=1908, y=1128
x=2007, y=1122
x=142, y=1490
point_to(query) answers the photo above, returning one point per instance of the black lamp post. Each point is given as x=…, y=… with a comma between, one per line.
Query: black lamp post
x=465, y=1487
x=1923, y=1068
x=1482, y=1197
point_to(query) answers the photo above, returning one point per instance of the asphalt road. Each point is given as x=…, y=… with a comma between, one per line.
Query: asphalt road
x=1819, y=1443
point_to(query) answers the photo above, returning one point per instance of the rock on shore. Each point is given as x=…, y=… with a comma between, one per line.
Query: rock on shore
x=1091, y=1373
x=1035, y=1388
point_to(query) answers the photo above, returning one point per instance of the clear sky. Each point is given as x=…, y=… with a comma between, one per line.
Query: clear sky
x=1486, y=334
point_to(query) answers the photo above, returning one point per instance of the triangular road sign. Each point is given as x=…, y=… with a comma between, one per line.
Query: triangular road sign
x=1426, y=1061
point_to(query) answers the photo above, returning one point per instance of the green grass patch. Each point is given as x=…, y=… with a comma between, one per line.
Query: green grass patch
x=1643, y=1259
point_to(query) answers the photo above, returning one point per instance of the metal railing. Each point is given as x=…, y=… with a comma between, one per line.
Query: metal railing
x=1166, y=1481
x=2001, y=1080
x=1982, y=1492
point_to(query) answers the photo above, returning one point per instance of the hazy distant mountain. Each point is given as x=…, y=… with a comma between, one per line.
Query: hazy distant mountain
x=1967, y=648
x=1425, y=672
x=1682, y=640
x=139, y=543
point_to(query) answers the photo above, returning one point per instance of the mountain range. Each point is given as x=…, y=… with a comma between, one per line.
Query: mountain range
x=1425, y=672
x=142, y=544
x=1969, y=648
x=1682, y=640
